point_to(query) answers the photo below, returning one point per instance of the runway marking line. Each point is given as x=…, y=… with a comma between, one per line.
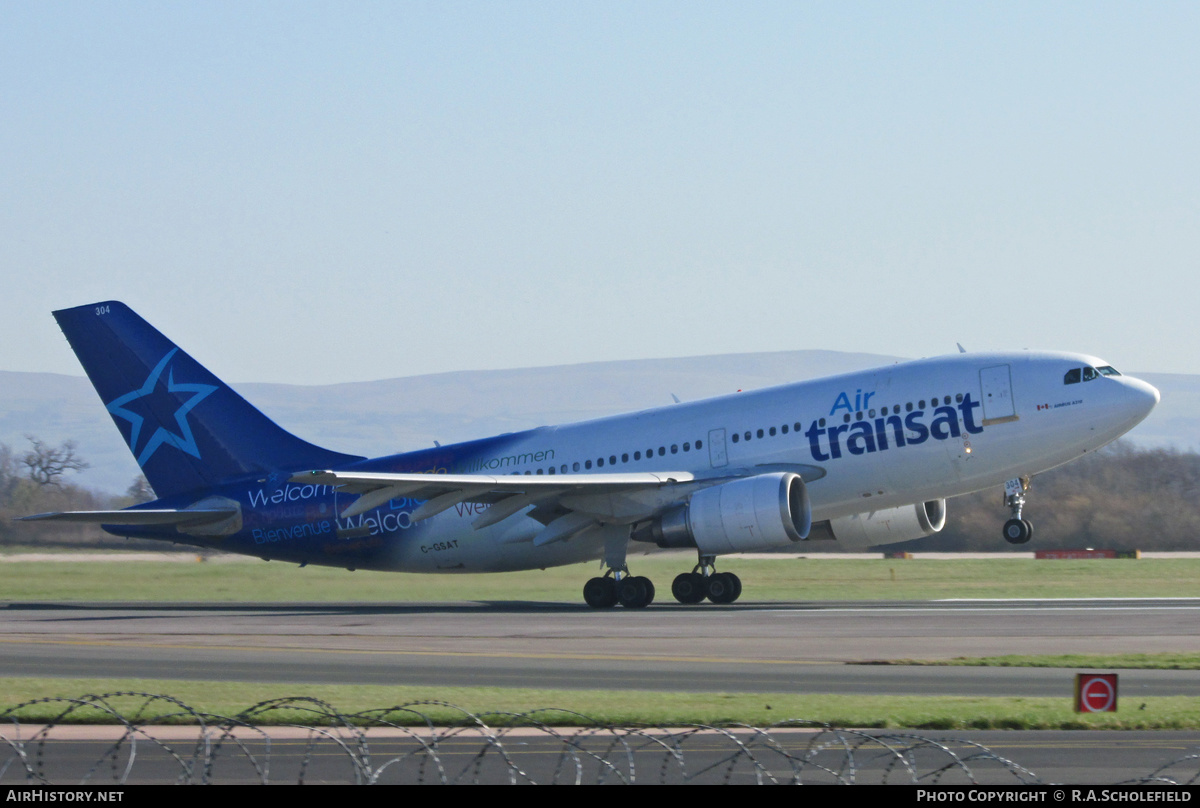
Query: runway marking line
x=1058, y=600
x=482, y=654
x=983, y=610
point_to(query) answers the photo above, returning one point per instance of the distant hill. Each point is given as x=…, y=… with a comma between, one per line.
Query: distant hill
x=394, y=415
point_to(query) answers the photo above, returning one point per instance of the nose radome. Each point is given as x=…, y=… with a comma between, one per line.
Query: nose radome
x=1144, y=398
x=1150, y=391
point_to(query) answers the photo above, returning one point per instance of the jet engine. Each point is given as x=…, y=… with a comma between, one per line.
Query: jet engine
x=886, y=526
x=755, y=513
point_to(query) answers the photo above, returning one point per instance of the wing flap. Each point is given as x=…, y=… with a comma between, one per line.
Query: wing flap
x=443, y=502
x=564, y=528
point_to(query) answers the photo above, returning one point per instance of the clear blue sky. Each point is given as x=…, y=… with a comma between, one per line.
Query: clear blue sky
x=321, y=192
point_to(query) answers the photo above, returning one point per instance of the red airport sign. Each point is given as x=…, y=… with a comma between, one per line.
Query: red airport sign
x=1095, y=692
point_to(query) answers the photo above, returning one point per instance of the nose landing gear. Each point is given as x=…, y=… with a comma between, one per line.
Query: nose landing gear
x=1016, y=529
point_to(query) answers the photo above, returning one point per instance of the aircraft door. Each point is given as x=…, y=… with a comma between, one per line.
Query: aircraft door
x=995, y=384
x=716, y=448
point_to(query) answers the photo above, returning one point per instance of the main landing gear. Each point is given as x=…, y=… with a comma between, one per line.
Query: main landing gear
x=705, y=582
x=618, y=586
x=637, y=592
x=1016, y=529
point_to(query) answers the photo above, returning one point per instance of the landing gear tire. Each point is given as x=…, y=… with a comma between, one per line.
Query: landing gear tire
x=635, y=592
x=737, y=586
x=689, y=587
x=724, y=587
x=649, y=591
x=1018, y=531
x=600, y=593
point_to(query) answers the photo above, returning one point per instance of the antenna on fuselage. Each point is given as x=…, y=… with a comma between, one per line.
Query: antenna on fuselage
x=961, y=349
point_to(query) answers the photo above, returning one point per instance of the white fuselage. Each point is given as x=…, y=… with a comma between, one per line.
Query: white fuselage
x=864, y=442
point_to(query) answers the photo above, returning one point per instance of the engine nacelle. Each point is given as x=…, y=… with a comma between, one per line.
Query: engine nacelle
x=887, y=526
x=755, y=513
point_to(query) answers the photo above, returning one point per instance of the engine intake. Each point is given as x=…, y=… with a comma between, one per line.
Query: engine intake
x=755, y=513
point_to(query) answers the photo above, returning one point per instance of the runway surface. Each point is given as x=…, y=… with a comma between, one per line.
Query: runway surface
x=799, y=647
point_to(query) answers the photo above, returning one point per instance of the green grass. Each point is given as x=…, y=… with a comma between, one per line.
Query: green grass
x=619, y=708
x=1165, y=661
x=764, y=580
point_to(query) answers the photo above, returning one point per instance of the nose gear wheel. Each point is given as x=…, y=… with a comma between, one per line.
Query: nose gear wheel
x=1017, y=530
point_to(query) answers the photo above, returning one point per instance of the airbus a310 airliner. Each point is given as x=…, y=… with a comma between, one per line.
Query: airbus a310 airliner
x=863, y=458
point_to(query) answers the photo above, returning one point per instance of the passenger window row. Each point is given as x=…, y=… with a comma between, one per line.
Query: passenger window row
x=611, y=460
x=909, y=406
x=770, y=432
x=750, y=434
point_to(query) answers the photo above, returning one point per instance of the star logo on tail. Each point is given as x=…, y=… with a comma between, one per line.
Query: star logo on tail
x=154, y=386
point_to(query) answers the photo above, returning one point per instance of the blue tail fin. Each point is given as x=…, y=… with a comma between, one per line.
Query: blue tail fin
x=187, y=429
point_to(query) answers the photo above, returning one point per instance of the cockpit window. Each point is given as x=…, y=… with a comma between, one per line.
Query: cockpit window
x=1087, y=374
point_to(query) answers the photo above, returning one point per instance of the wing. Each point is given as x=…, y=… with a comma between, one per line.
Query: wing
x=566, y=504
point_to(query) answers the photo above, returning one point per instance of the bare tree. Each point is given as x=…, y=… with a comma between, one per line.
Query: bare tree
x=9, y=479
x=139, y=490
x=44, y=464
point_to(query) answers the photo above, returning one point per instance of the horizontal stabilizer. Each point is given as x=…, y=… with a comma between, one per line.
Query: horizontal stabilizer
x=211, y=516
x=137, y=517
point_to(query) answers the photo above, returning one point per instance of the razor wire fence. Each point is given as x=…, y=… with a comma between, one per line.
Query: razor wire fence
x=148, y=738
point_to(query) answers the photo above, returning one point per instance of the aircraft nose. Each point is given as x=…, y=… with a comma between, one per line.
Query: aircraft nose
x=1141, y=397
